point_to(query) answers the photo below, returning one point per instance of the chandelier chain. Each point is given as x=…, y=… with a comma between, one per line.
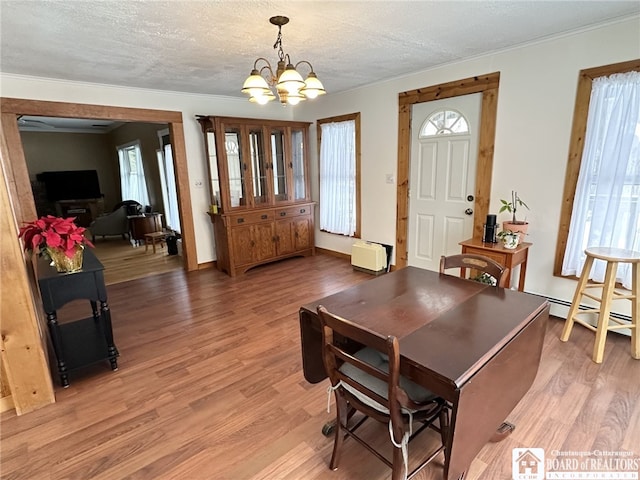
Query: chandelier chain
x=278, y=44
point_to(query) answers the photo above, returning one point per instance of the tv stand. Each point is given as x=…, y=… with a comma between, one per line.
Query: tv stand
x=85, y=210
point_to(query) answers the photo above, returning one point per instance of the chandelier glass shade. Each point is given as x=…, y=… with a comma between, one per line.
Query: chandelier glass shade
x=263, y=84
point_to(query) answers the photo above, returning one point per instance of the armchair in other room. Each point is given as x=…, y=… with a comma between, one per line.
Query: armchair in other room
x=114, y=223
x=133, y=207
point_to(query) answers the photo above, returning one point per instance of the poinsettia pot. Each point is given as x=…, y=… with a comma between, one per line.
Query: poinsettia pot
x=65, y=263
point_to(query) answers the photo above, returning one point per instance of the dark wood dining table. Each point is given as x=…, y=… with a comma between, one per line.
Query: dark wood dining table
x=475, y=345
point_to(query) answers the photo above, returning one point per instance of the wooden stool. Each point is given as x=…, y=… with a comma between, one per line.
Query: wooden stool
x=153, y=239
x=612, y=256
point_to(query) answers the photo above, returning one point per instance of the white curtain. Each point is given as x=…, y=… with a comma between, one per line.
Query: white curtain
x=173, y=216
x=606, y=210
x=132, y=182
x=338, y=177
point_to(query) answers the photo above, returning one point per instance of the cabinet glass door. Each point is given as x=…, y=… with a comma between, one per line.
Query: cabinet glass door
x=236, y=167
x=297, y=161
x=258, y=166
x=279, y=165
x=213, y=170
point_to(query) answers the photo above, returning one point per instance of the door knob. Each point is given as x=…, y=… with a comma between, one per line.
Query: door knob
x=468, y=211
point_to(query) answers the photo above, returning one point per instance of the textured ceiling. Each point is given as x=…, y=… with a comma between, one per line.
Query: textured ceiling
x=209, y=46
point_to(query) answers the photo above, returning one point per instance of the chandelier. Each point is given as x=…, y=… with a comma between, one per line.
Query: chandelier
x=286, y=81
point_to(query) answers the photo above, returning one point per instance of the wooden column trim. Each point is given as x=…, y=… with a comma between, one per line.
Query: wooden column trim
x=402, y=196
x=185, y=208
x=484, y=172
x=22, y=352
x=16, y=173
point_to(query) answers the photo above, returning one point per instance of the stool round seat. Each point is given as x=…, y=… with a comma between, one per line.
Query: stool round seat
x=609, y=293
x=609, y=254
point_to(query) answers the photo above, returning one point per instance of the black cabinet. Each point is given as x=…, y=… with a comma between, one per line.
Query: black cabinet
x=83, y=341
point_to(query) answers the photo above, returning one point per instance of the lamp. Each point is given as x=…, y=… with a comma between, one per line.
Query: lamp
x=287, y=82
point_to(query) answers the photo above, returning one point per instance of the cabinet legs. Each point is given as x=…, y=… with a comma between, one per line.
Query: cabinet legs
x=112, y=351
x=56, y=339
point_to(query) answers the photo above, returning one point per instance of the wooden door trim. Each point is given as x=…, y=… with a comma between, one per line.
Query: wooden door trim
x=487, y=85
x=25, y=210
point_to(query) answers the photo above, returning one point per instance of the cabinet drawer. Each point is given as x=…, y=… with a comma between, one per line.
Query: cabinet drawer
x=295, y=211
x=249, y=218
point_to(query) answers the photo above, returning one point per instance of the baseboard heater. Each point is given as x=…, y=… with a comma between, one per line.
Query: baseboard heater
x=369, y=257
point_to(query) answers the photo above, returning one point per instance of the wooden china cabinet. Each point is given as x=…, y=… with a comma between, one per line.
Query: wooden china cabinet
x=261, y=206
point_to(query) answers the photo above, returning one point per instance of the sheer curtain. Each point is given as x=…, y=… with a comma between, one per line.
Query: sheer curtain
x=132, y=182
x=606, y=209
x=168, y=179
x=338, y=177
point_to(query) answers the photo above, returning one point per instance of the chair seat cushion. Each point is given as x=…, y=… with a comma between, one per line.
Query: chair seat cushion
x=380, y=361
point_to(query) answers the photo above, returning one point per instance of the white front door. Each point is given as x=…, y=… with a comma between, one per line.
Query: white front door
x=442, y=177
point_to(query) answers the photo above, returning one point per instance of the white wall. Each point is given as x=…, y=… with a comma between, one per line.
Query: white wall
x=535, y=109
x=190, y=105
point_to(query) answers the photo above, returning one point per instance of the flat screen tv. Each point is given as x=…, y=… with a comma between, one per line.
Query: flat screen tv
x=71, y=184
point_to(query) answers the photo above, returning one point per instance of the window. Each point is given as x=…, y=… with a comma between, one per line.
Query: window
x=168, y=183
x=339, y=144
x=444, y=122
x=606, y=202
x=132, y=182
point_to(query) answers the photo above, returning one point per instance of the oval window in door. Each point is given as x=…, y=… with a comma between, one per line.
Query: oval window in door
x=444, y=122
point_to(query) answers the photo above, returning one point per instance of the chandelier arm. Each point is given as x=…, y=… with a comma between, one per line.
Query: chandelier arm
x=304, y=61
x=271, y=80
x=255, y=64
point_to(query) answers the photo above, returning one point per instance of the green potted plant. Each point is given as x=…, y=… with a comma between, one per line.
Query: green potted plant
x=485, y=278
x=511, y=206
x=510, y=239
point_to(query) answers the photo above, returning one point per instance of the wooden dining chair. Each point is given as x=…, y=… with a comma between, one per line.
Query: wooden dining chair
x=478, y=267
x=369, y=381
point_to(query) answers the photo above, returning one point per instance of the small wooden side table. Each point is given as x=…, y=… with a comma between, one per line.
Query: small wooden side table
x=504, y=256
x=153, y=239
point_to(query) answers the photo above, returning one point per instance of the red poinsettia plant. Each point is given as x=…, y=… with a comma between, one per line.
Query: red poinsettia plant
x=53, y=232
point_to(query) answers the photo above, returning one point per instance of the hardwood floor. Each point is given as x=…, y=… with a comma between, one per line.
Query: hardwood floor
x=123, y=262
x=210, y=386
